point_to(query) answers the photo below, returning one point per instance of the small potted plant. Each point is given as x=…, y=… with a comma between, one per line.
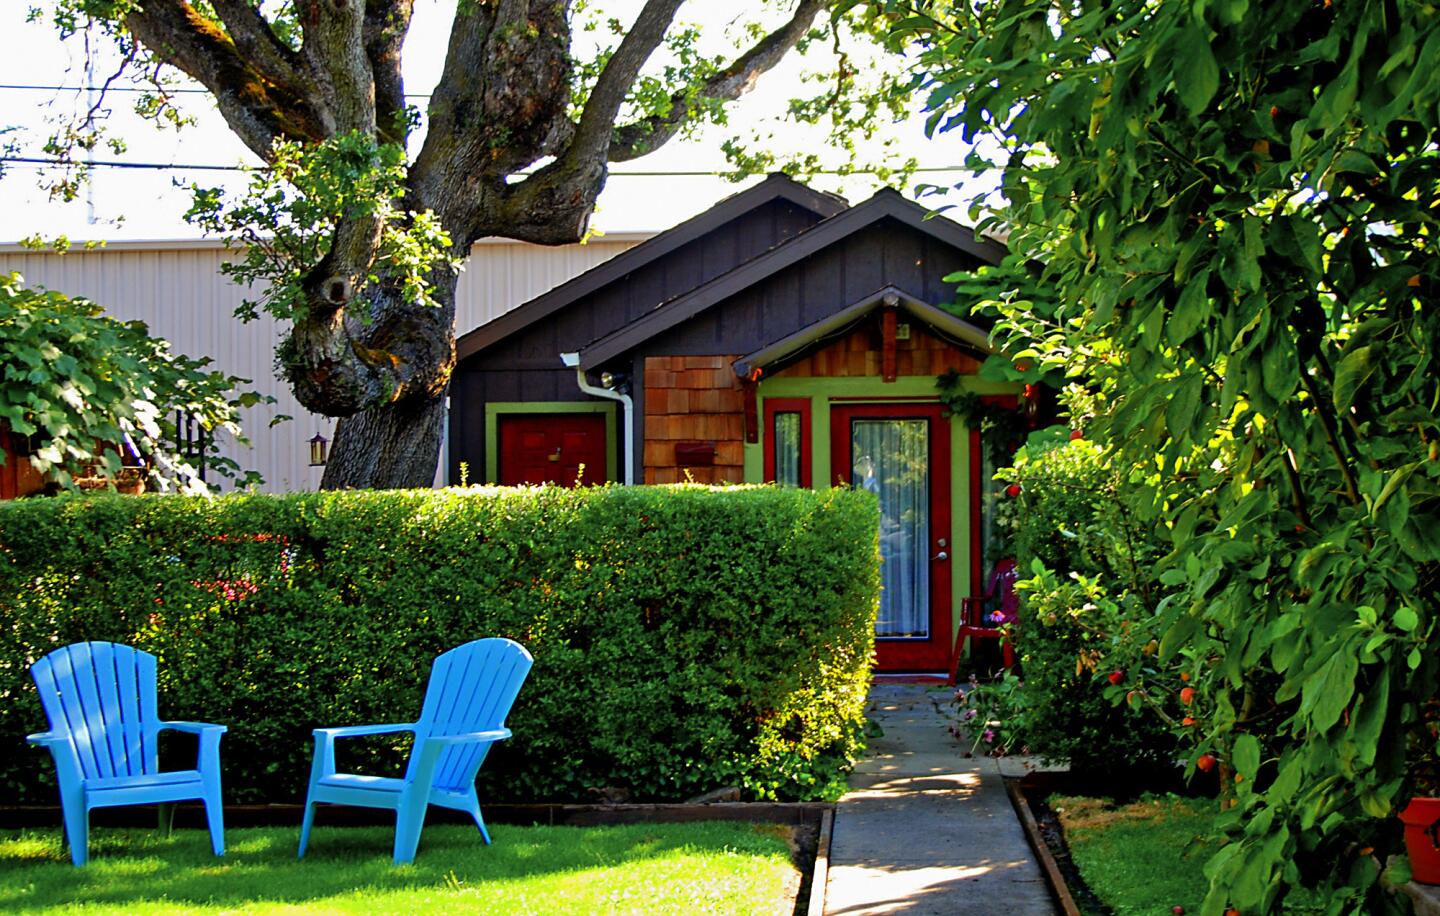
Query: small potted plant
x=1421, y=816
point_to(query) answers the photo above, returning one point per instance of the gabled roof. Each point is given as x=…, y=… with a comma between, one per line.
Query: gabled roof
x=886, y=204
x=948, y=326
x=774, y=187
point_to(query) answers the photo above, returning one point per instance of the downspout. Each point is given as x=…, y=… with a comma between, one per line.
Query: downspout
x=442, y=473
x=572, y=360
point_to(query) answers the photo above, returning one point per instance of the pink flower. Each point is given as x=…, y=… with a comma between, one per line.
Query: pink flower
x=971, y=713
x=989, y=736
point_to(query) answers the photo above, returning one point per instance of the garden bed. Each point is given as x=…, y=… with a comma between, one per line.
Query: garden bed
x=1126, y=855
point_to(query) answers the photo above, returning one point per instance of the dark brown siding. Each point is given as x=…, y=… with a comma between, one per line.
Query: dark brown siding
x=526, y=366
x=884, y=254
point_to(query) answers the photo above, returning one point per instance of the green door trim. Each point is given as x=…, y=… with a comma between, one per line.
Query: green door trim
x=496, y=409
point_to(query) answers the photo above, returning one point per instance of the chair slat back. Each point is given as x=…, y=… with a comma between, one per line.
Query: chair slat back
x=102, y=696
x=471, y=689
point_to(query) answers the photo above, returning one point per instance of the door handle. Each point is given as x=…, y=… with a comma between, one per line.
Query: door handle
x=942, y=555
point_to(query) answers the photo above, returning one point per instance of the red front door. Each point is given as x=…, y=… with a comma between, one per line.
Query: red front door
x=552, y=448
x=901, y=452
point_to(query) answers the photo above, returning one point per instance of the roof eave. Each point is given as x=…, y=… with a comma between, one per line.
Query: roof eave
x=885, y=203
x=774, y=187
x=940, y=320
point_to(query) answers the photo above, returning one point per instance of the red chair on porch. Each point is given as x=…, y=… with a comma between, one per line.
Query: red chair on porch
x=985, y=615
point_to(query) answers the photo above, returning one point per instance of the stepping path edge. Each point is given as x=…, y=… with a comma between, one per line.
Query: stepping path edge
x=1058, y=886
x=819, y=871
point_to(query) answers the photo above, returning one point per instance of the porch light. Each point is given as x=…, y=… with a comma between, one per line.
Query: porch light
x=317, y=451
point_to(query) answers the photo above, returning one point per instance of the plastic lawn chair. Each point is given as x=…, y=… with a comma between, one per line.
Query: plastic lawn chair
x=100, y=699
x=985, y=615
x=471, y=690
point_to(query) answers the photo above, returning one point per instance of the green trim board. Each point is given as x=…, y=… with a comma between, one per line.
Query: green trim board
x=822, y=392
x=495, y=409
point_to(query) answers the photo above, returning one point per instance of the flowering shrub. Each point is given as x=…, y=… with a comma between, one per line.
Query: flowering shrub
x=1083, y=596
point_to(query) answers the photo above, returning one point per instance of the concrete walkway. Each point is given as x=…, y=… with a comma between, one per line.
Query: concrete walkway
x=925, y=830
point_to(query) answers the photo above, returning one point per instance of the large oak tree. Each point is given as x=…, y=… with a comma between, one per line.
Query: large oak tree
x=358, y=227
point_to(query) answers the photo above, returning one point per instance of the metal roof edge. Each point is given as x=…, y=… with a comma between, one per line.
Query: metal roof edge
x=177, y=244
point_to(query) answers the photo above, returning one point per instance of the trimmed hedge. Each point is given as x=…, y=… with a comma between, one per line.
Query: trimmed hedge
x=685, y=637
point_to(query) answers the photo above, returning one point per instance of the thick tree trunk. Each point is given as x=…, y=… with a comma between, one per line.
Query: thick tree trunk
x=407, y=351
x=393, y=446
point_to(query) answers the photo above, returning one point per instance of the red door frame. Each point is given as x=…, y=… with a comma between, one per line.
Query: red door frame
x=775, y=406
x=931, y=653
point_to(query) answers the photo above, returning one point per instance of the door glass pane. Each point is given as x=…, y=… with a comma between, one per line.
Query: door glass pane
x=787, y=449
x=891, y=459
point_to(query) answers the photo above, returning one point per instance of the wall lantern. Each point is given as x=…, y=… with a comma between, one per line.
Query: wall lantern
x=317, y=451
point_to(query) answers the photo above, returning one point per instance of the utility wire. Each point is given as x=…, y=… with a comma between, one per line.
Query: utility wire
x=28, y=87
x=185, y=167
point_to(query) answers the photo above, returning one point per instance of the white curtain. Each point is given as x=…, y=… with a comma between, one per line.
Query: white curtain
x=787, y=449
x=890, y=458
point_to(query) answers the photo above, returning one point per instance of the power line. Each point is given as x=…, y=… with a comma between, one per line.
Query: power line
x=28, y=87
x=116, y=164
x=679, y=173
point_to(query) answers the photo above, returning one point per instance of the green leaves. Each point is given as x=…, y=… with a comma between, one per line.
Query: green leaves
x=684, y=637
x=78, y=384
x=1197, y=75
x=1261, y=352
x=286, y=223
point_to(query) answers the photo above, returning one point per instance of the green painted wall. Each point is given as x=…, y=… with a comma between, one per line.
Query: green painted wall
x=494, y=409
x=822, y=391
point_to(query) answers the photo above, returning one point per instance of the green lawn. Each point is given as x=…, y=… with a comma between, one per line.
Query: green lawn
x=1140, y=858
x=646, y=868
x=1147, y=856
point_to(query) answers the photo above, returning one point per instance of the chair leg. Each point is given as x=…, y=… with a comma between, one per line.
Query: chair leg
x=305, y=827
x=474, y=811
x=215, y=817
x=77, y=831
x=409, y=821
x=165, y=819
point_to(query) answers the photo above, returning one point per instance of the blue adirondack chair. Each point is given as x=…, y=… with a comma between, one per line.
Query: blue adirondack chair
x=471, y=689
x=100, y=699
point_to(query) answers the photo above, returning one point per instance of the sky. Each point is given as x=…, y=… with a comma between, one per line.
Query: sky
x=645, y=195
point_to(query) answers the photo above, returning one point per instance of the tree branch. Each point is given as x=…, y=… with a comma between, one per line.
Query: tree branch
x=334, y=53
x=259, y=106
x=386, y=23
x=257, y=42
x=631, y=141
x=592, y=133
x=504, y=87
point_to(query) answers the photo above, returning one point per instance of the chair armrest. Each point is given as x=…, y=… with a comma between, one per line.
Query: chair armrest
x=45, y=739
x=323, y=761
x=207, y=754
x=193, y=728
x=353, y=731
x=494, y=734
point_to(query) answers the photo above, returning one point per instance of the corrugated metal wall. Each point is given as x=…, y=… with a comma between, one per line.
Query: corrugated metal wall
x=177, y=289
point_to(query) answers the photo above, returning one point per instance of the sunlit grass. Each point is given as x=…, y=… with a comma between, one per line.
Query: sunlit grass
x=1148, y=856
x=644, y=868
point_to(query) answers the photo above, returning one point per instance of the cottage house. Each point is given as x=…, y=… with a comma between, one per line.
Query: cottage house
x=782, y=335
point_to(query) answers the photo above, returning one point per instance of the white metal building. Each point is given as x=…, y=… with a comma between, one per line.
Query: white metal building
x=176, y=288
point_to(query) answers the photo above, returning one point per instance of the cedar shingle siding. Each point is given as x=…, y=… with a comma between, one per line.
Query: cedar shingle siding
x=858, y=354
x=693, y=400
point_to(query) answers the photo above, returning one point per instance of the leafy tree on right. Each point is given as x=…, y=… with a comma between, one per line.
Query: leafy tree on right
x=1233, y=207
